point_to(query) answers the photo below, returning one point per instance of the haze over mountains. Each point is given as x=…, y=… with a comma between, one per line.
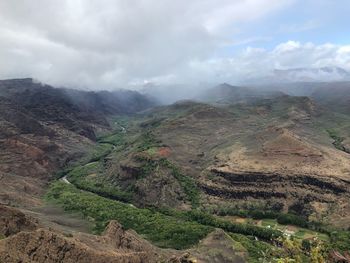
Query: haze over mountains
x=297, y=81
x=311, y=75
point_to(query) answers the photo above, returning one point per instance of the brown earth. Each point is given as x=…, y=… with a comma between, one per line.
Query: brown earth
x=22, y=239
x=272, y=152
x=43, y=245
x=13, y=221
x=45, y=128
x=283, y=158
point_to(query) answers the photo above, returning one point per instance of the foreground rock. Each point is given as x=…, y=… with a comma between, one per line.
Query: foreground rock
x=23, y=239
x=218, y=247
x=42, y=245
x=12, y=221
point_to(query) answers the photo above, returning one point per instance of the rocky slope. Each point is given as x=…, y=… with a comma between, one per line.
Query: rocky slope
x=13, y=221
x=23, y=240
x=273, y=153
x=44, y=128
x=266, y=151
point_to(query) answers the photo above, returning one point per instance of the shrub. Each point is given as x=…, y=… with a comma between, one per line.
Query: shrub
x=340, y=241
x=290, y=219
x=163, y=230
x=209, y=220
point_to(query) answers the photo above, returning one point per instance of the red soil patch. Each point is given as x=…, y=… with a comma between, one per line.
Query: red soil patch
x=164, y=151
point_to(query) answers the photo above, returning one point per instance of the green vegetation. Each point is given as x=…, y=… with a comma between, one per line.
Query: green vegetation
x=187, y=183
x=146, y=141
x=340, y=241
x=255, y=213
x=163, y=230
x=167, y=228
x=102, y=189
x=290, y=219
x=210, y=220
x=149, y=145
x=249, y=209
x=86, y=178
x=148, y=165
x=181, y=229
x=88, y=174
x=338, y=141
x=258, y=250
x=98, y=153
x=115, y=139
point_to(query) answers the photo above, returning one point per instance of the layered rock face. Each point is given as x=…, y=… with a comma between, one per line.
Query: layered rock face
x=275, y=153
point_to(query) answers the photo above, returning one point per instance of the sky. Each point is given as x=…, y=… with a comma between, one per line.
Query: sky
x=108, y=44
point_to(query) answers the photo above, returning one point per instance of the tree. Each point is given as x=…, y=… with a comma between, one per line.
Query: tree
x=316, y=253
x=292, y=249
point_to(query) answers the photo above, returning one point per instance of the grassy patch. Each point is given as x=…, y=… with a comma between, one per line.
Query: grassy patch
x=210, y=220
x=291, y=219
x=340, y=241
x=104, y=190
x=187, y=183
x=258, y=251
x=269, y=222
x=152, y=151
x=257, y=213
x=162, y=230
x=337, y=140
x=300, y=234
x=166, y=228
x=98, y=153
x=147, y=141
x=86, y=178
x=115, y=139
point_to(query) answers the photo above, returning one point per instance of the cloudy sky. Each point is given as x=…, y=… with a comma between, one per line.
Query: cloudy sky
x=109, y=44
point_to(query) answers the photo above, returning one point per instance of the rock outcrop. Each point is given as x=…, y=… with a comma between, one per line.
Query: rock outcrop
x=48, y=246
x=13, y=221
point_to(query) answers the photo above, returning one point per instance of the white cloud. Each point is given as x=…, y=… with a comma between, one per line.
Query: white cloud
x=109, y=43
x=112, y=43
x=259, y=62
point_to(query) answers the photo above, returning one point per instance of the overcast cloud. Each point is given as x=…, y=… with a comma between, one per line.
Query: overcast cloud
x=113, y=43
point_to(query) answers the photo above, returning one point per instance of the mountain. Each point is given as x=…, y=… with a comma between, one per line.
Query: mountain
x=170, y=93
x=281, y=157
x=114, y=177
x=228, y=94
x=76, y=110
x=333, y=95
x=275, y=152
x=44, y=128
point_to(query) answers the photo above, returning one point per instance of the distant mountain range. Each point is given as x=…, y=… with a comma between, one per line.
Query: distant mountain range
x=323, y=74
x=312, y=74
